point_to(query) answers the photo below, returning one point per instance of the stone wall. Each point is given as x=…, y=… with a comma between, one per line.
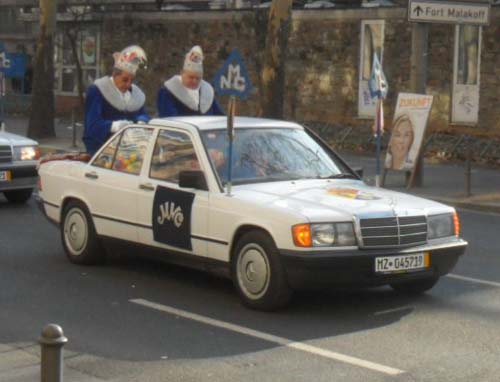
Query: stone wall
x=323, y=58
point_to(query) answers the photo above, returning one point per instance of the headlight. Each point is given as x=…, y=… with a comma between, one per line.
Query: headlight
x=26, y=153
x=442, y=226
x=323, y=235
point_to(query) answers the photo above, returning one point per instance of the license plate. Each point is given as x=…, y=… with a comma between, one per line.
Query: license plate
x=4, y=176
x=403, y=263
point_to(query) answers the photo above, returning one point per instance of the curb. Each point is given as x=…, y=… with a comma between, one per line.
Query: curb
x=483, y=207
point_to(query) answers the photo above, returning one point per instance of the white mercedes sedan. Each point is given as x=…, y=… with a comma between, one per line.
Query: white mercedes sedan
x=284, y=213
x=18, y=160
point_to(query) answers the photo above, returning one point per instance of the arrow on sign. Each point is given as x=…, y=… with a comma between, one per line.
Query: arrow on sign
x=418, y=10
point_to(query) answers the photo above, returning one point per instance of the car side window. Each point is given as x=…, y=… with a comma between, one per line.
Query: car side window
x=106, y=156
x=174, y=152
x=131, y=150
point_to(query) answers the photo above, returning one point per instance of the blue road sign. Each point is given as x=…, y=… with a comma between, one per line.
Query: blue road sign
x=16, y=65
x=232, y=78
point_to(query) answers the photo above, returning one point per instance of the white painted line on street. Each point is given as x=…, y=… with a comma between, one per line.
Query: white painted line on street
x=395, y=310
x=472, y=280
x=271, y=338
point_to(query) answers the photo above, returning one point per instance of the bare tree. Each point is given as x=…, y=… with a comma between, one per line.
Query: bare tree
x=73, y=27
x=272, y=76
x=41, y=122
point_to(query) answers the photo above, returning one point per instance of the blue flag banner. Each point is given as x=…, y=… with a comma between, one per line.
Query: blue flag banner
x=378, y=84
x=17, y=65
x=232, y=78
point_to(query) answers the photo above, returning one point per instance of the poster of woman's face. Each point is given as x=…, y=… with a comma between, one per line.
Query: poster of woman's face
x=407, y=131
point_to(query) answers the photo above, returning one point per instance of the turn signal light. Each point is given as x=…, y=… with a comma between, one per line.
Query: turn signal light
x=302, y=235
x=456, y=224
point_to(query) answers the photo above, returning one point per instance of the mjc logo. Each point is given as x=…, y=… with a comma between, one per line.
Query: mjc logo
x=172, y=217
x=170, y=212
x=232, y=78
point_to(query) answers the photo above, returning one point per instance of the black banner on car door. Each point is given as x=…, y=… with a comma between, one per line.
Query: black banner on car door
x=172, y=217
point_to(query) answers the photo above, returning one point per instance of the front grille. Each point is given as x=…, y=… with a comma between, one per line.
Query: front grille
x=397, y=231
x=5, y=154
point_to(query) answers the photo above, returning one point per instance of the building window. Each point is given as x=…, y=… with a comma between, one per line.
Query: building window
x=372, y=41
x=465, y=106
x=87, y=50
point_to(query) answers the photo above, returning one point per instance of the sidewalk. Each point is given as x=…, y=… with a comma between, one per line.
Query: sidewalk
x=444, y=182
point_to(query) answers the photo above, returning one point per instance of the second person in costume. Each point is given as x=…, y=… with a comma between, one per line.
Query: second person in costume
x=188, y=94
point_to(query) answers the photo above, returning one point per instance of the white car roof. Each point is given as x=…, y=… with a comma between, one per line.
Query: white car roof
x=220, y=122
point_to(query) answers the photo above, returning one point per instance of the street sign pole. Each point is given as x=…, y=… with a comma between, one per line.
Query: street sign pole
x=418, y=82
x=379, y=139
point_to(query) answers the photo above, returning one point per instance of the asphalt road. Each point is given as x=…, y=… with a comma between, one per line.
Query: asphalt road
x=122, y=325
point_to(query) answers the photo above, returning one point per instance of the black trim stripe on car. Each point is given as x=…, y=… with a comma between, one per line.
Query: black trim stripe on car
x=217, y=241
x=150, y=227
x=51, y=204
x=121, y=221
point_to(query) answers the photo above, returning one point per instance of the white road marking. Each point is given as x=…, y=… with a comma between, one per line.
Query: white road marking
x=271, y=338
x=395, y=310
x=472, y=280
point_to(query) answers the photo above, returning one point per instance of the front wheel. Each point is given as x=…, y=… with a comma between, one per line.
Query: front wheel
x=258, y=274
x=415, y=286
x=18, y=196
x=80, y=241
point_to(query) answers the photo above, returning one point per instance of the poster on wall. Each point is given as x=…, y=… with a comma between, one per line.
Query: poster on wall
x=89, y=50
x=465, y=104
x=372, y=41
x=407, y=131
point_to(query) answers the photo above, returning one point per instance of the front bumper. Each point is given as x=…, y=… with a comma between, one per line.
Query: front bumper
x=311, y=270
x=22, y=176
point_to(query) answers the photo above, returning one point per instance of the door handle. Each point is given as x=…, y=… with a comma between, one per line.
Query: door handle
x=91, y=175
x=147, y=187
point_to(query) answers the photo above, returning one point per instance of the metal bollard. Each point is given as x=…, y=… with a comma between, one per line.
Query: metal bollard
x=73, y=124
x=468, y=172
x=52, y=341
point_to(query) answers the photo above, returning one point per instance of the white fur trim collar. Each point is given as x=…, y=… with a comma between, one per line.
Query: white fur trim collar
x=175, y=86
x=113, y=96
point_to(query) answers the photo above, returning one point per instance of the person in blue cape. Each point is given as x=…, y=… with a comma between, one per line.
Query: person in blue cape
x=188, y=94
x=113, y=102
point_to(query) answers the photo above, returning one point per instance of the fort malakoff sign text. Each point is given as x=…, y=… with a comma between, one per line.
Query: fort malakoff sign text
x=449, y=12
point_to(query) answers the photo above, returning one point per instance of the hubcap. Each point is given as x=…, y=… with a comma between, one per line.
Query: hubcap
x=253, y=271
x=76, y=231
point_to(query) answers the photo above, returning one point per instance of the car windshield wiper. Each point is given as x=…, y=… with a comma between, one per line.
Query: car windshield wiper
x=342, y=175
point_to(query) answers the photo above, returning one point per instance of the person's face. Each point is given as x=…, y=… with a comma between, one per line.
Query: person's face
x=123, y=81
x=402, y=138
x=191, y=80
x=217, y=157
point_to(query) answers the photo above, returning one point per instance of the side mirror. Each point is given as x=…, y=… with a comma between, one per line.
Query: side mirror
x=193, y=179
x=359, y=171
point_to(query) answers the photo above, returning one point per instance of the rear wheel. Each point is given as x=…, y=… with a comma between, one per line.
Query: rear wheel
x=415, y=286
x=18, y=196
x=80, y=241
x=258, y=274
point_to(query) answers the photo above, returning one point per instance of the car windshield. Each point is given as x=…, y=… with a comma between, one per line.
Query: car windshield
x=271, y=154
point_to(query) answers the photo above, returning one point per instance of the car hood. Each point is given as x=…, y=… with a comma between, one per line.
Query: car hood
x=331, y=200
x=9, y=139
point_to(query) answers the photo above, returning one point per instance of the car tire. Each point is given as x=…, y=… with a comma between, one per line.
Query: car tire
x=258, y=273
x=18, y=196
x=79, y=238
x=416, y=286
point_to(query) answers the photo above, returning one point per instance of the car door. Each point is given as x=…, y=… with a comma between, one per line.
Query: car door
x=113, y=181
x=171, y=217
